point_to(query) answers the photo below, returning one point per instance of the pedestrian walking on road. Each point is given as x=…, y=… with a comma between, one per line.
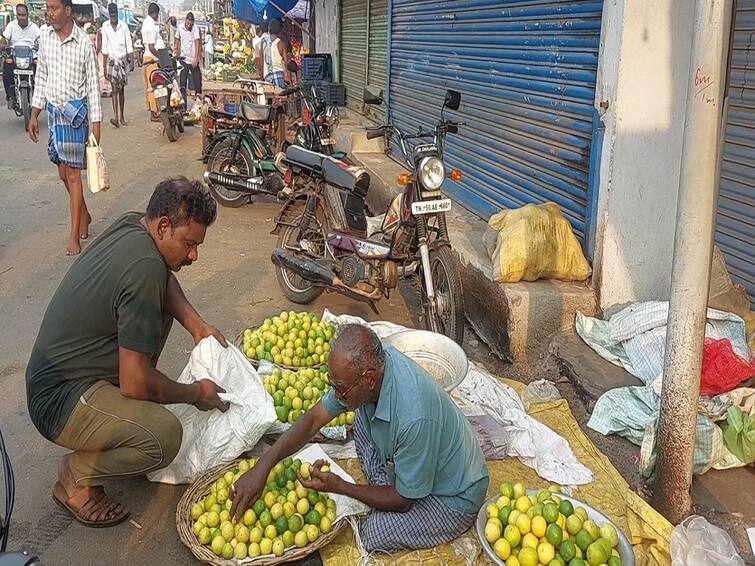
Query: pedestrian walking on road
x=91, y=382
x=153, y=45
x=67, y=86
x=117, y=51
x=188, y=46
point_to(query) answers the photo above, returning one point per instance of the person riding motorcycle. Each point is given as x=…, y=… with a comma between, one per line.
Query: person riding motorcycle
x=18, y=32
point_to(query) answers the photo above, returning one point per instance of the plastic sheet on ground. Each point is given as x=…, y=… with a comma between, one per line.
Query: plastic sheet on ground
x=499, y=420
x=646, y=529
x=632, y=412
x=635, y=337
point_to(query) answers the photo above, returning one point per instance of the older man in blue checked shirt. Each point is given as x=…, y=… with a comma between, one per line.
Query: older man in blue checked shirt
x=426, y=473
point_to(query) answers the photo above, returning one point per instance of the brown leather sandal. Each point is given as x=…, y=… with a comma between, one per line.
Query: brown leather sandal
x=95, y=506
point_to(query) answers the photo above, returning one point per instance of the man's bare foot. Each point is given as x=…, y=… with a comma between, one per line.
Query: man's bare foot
x=88, y=505
x=86, y=220
x=115, y=122
x=123, y=122
x=73, y=247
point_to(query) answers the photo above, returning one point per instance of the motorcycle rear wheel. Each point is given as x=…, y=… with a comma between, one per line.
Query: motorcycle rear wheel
x=296, y=289
x=448, y=317
x=170, y=128
x=222, y=160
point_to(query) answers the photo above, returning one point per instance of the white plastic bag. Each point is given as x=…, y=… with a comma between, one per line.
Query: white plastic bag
x=695, y=542
x=212, y=437
x=539, y=391
x=98, y=178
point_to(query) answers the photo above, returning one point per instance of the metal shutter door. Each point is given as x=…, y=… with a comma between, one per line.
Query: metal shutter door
x=353, y=50
x=378, y=49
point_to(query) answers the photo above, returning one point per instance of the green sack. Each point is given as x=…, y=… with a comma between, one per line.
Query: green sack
x=739, y=435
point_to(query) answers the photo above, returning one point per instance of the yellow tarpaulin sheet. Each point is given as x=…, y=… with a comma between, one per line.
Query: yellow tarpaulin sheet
x=646, y=529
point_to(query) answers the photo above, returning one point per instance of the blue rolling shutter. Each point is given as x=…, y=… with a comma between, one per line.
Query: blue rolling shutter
x=735, y=220
x=527, y=72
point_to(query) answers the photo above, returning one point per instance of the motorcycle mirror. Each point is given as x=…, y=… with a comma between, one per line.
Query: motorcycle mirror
x=373, y=96
x=453, y=99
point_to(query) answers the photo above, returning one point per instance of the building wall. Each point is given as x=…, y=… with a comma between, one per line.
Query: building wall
x=643, y=74
x=326, y=29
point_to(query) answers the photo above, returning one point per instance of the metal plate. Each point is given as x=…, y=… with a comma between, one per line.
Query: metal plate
x=160, y=92
x=624, y=548
x=431, y=206
x=20, y=72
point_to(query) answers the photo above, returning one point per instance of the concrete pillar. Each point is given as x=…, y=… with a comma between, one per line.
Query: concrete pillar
x=693, y=249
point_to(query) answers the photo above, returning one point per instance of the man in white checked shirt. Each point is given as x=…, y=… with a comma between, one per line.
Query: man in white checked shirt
x=67, y=86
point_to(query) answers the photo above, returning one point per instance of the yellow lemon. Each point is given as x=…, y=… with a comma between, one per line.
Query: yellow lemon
x=530, y=541
x=266, y=546
x=491, y=511
x=512, y=561
x=492, y=532
x=539, y=526
x=523, y=504
x=545, y=552
x=502, y=548
x=524, y=524
x=502, y=502
x=527, y=556
x=300, y=539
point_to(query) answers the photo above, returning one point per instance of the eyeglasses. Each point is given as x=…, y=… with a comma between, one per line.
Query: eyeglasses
x=344, y=393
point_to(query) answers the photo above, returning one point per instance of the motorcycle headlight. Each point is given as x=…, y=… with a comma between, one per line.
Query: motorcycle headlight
x=331, y=116
x=22, y=62
x=431, y=173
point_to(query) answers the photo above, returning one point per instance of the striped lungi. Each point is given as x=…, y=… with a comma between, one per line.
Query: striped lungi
x=117, y=72
x=68, y=130
x=427, y=523
x=277, y=78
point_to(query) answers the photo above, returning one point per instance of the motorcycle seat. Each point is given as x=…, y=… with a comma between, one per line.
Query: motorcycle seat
x=304, y=158
x=256, y=112
x=334, y=172
x=339, y=174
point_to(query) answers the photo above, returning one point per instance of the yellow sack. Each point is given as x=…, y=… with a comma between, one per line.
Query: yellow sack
x=536, y=242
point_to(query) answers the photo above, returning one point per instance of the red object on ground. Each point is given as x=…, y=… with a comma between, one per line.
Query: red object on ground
x=723, y=369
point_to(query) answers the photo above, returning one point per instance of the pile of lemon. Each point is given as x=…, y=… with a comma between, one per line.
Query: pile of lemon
x=291, y=339
x=546, y=530
x=287, y=515
x=295, y=393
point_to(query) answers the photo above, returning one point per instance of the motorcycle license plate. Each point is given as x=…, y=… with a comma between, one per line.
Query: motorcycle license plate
x=431, y=206
x=160, y=91
x=19, y=72
x=327, y=141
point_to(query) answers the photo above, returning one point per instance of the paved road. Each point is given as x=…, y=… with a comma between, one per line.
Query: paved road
x=233, y=285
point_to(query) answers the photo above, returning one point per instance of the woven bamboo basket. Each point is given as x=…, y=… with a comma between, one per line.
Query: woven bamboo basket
x=239, y=342
x=201, y=489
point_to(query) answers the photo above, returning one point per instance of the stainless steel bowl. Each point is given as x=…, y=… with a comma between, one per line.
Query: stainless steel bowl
x=624, y=548
x=438, y=355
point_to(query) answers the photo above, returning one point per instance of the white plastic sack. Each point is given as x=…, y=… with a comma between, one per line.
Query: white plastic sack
x=212, y=437
x=695, y=542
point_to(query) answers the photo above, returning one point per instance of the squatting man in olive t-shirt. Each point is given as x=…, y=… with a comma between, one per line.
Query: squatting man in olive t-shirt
x=91, y=384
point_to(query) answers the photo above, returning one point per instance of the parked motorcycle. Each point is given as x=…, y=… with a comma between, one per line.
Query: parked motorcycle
x=24, y=59
x=170, y=103
x=315, y=128
x=323, y=241
x=240, y=161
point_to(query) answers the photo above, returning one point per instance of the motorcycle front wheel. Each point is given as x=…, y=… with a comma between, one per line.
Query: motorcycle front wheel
x=25, y=108
x=223, y=160
x=448, y=316
x=296, y=288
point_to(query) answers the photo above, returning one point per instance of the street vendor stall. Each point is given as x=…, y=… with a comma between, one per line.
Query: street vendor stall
x=595, y=514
